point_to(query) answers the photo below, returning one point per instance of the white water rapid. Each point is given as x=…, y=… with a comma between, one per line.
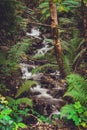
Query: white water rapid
x=34, y=33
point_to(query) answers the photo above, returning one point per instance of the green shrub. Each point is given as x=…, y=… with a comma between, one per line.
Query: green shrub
x=75, y=112
x=7, y=119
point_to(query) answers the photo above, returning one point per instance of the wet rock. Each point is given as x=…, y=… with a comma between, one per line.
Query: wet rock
x=37, y=77
x=30, y=120
x=57, y=92
x=45, y=105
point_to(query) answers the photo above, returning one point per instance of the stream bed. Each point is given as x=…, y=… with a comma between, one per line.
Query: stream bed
x=47, y=94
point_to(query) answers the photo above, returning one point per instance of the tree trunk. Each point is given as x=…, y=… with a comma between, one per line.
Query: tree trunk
x=56, y=37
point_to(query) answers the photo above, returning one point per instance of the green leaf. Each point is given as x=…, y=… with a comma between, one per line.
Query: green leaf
x=7, y=118
x=85, y=113
x=77, y=105
x=24, y=112
x=44, y=5
x=22, y=125
x=83, y=124
x=6, y=111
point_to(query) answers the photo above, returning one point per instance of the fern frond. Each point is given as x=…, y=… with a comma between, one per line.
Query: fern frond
x=12, y=102
x=66, y=21
x=38, y=56
x=79, y=55
x=67, y=64
x=65, y=110
x=26, y=101
x=50, y=41
x=43, y=68
x=65, y=45
x=25, y=87
x=77, y=88
x=44, y=10
x=75, y=78
x=49, y=56
x=19, y=49
x=82, y=42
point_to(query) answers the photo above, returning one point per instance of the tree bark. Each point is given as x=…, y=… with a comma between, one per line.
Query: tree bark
x=56, y=37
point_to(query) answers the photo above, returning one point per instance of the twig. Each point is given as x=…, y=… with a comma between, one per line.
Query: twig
x=46, y=25
x=41, y=61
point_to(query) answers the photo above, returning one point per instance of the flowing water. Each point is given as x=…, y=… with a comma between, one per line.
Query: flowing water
x=44, y=93
x=34, y=33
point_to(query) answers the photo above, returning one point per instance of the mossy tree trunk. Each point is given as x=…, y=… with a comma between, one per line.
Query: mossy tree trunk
x=56, y=37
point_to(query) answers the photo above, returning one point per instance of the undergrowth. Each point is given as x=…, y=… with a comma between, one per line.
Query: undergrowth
x=77, y=90
x=44, y=68
x=9, y=118
x=9, y=62
x=25, y=87
x=75, y=112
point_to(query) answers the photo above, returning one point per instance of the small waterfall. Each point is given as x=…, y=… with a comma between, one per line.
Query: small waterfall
x=42, y=91
x=26, y=69
x=34, y=33
x=44, y=50
x=25, y=73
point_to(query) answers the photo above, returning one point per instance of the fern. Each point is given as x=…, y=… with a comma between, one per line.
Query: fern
x=25, y=87
x=45, y=56
x=43, y=68
x=65, y=46
x=44, y=7
x=65, y=21
x=77, y=88
x=38, y=56
x=18, y=50
x=50, y=57
x=19, y=101
x=27, y=101
x=48, y=40
x=9, y=60
x=79, y=55
x=67, y=64
x=70, y=47
x=65, y=110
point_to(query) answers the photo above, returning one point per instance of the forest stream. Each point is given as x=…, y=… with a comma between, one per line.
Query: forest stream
x=47, y=94
x=43, y=65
